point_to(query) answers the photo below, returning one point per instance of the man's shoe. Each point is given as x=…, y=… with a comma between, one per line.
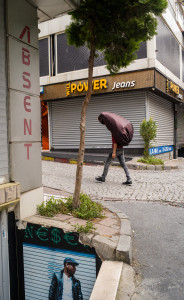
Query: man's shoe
x=100, y=178
x=128, y=182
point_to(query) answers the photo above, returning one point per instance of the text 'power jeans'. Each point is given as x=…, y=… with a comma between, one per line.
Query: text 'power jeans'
x=121, y=158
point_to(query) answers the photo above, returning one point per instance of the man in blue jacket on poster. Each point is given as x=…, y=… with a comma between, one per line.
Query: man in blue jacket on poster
x=64, y=285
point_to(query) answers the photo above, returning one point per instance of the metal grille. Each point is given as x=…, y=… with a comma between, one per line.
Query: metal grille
x=70, y=58
x=3, y=108
x=65, y=119
x=180, y=127
x=44, y=57
x=142, y=52
x=167, y=49
x=162, y=112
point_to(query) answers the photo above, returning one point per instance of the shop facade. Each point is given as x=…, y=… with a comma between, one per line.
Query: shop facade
x=20, y=135
x=135, y=95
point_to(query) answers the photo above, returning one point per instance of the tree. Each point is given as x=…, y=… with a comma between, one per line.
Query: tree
x=148, y=131
x=115, y=27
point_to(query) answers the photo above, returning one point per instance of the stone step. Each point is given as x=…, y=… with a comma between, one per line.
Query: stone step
x=115, y=281
x=126, y=286
x=107, y=282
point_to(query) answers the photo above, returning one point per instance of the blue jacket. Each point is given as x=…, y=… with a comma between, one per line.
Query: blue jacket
x=56, y=287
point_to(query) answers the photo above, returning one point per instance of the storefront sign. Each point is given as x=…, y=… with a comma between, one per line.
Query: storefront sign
x=97, y=85
x=23, y=87
x=121, y=85
x=160, y=150
x=172, y=87
x=101, y=85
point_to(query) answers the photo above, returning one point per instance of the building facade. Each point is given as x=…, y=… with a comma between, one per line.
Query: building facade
x=152, y=86
x=20, y=135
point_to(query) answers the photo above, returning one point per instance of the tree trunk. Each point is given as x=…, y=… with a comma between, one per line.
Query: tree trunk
x=78, y=179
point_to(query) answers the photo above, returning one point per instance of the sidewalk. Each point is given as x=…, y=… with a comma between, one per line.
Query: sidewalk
x=100, y=158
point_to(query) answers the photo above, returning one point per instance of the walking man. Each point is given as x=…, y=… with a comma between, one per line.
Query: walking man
x=117, y=151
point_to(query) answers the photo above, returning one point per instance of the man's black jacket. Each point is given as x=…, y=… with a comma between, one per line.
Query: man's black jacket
x=56, y=287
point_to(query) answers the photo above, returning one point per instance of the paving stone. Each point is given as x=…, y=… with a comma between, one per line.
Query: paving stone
x=167, y=167
x=150, y=167
x=124, y=249
x=122, y=216
x=133, y=166
x=62, y=217
x=75, y=221
x=142, y=167
x=105, y=230
x=48, y=222
x=158, y=168
x=86, y=239
x=147, y=184
x=104, y=247
x=108, y=222
x=174, y=167
x=125, y=228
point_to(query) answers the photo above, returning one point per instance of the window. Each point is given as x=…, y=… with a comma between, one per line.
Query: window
x=70, y=58
x=168, y=49
x=44, y=57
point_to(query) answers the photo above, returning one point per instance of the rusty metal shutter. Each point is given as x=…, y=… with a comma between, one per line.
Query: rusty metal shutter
x=3, y=106
x=65, y=119
x=162, y=111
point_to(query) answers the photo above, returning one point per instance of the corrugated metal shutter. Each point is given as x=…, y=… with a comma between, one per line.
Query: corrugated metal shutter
x=162, y=112
x=65, y=119
x=180, y=128
x=40, y=263
x=3, y=108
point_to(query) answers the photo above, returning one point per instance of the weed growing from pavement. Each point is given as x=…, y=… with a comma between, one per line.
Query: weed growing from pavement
x=151, y=160
x=88, y=209
x=88, y=228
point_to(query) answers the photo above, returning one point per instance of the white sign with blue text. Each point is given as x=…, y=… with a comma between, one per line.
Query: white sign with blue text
x=160, y=150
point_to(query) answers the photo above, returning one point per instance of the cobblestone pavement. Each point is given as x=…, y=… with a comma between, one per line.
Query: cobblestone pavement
x=156, y=186
x=157, y=229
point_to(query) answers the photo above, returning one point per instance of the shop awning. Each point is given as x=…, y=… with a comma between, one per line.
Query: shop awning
x=49, y=9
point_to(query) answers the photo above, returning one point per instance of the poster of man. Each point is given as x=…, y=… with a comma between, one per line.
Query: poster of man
x=64, y=285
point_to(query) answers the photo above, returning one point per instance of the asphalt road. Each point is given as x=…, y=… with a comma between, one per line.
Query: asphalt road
x=158, y=249
x=155, y=206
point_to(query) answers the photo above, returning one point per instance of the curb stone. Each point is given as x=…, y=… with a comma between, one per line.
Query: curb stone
x=109, y=249
x=133, y=166
x=124, y=247
x=167, y=167
x=150, y=167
